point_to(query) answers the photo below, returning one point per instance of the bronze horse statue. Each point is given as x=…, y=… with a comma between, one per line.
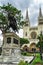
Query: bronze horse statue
x=12, y=22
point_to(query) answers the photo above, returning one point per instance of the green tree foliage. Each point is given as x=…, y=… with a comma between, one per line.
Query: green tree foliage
x=40, y=43
x=23, y=41
x=13, y=11
x=3, y=18
x=3, y=22
x=23, y=63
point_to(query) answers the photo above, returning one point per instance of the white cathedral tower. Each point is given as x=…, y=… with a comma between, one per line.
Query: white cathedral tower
x=31, y=33
x=26, y=26
x=40, y=22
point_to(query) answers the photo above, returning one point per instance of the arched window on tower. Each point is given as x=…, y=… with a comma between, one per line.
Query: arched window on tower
x=26, y=34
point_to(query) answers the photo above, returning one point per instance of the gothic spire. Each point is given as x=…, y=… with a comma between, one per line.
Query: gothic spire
x=27, y=18
x=40, y=12
x=27, y=14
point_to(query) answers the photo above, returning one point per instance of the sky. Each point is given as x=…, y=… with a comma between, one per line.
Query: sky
x=33, y=9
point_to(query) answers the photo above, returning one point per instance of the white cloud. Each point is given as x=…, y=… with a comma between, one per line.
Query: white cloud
x=20, y=33
x=0, y=4
x=38, y=1
x=0, y=31
x=24, y=13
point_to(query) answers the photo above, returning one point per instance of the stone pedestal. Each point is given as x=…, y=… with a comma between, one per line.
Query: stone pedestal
x=10, y=42
x=11, y=48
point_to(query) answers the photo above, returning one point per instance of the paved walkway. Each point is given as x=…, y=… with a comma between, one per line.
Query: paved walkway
x=16, y=61
x=28, y=58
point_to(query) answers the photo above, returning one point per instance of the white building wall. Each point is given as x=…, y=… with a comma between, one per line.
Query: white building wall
x=26, y=29
x=40, y=28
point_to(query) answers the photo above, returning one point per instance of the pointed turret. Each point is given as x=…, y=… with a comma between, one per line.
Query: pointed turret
x=27, y=17
x=40, y=12
x=27, y=14
x=40, y=18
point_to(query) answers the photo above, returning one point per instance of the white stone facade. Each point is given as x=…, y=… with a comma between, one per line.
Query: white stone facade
x=31, y=33
x=9, y=43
